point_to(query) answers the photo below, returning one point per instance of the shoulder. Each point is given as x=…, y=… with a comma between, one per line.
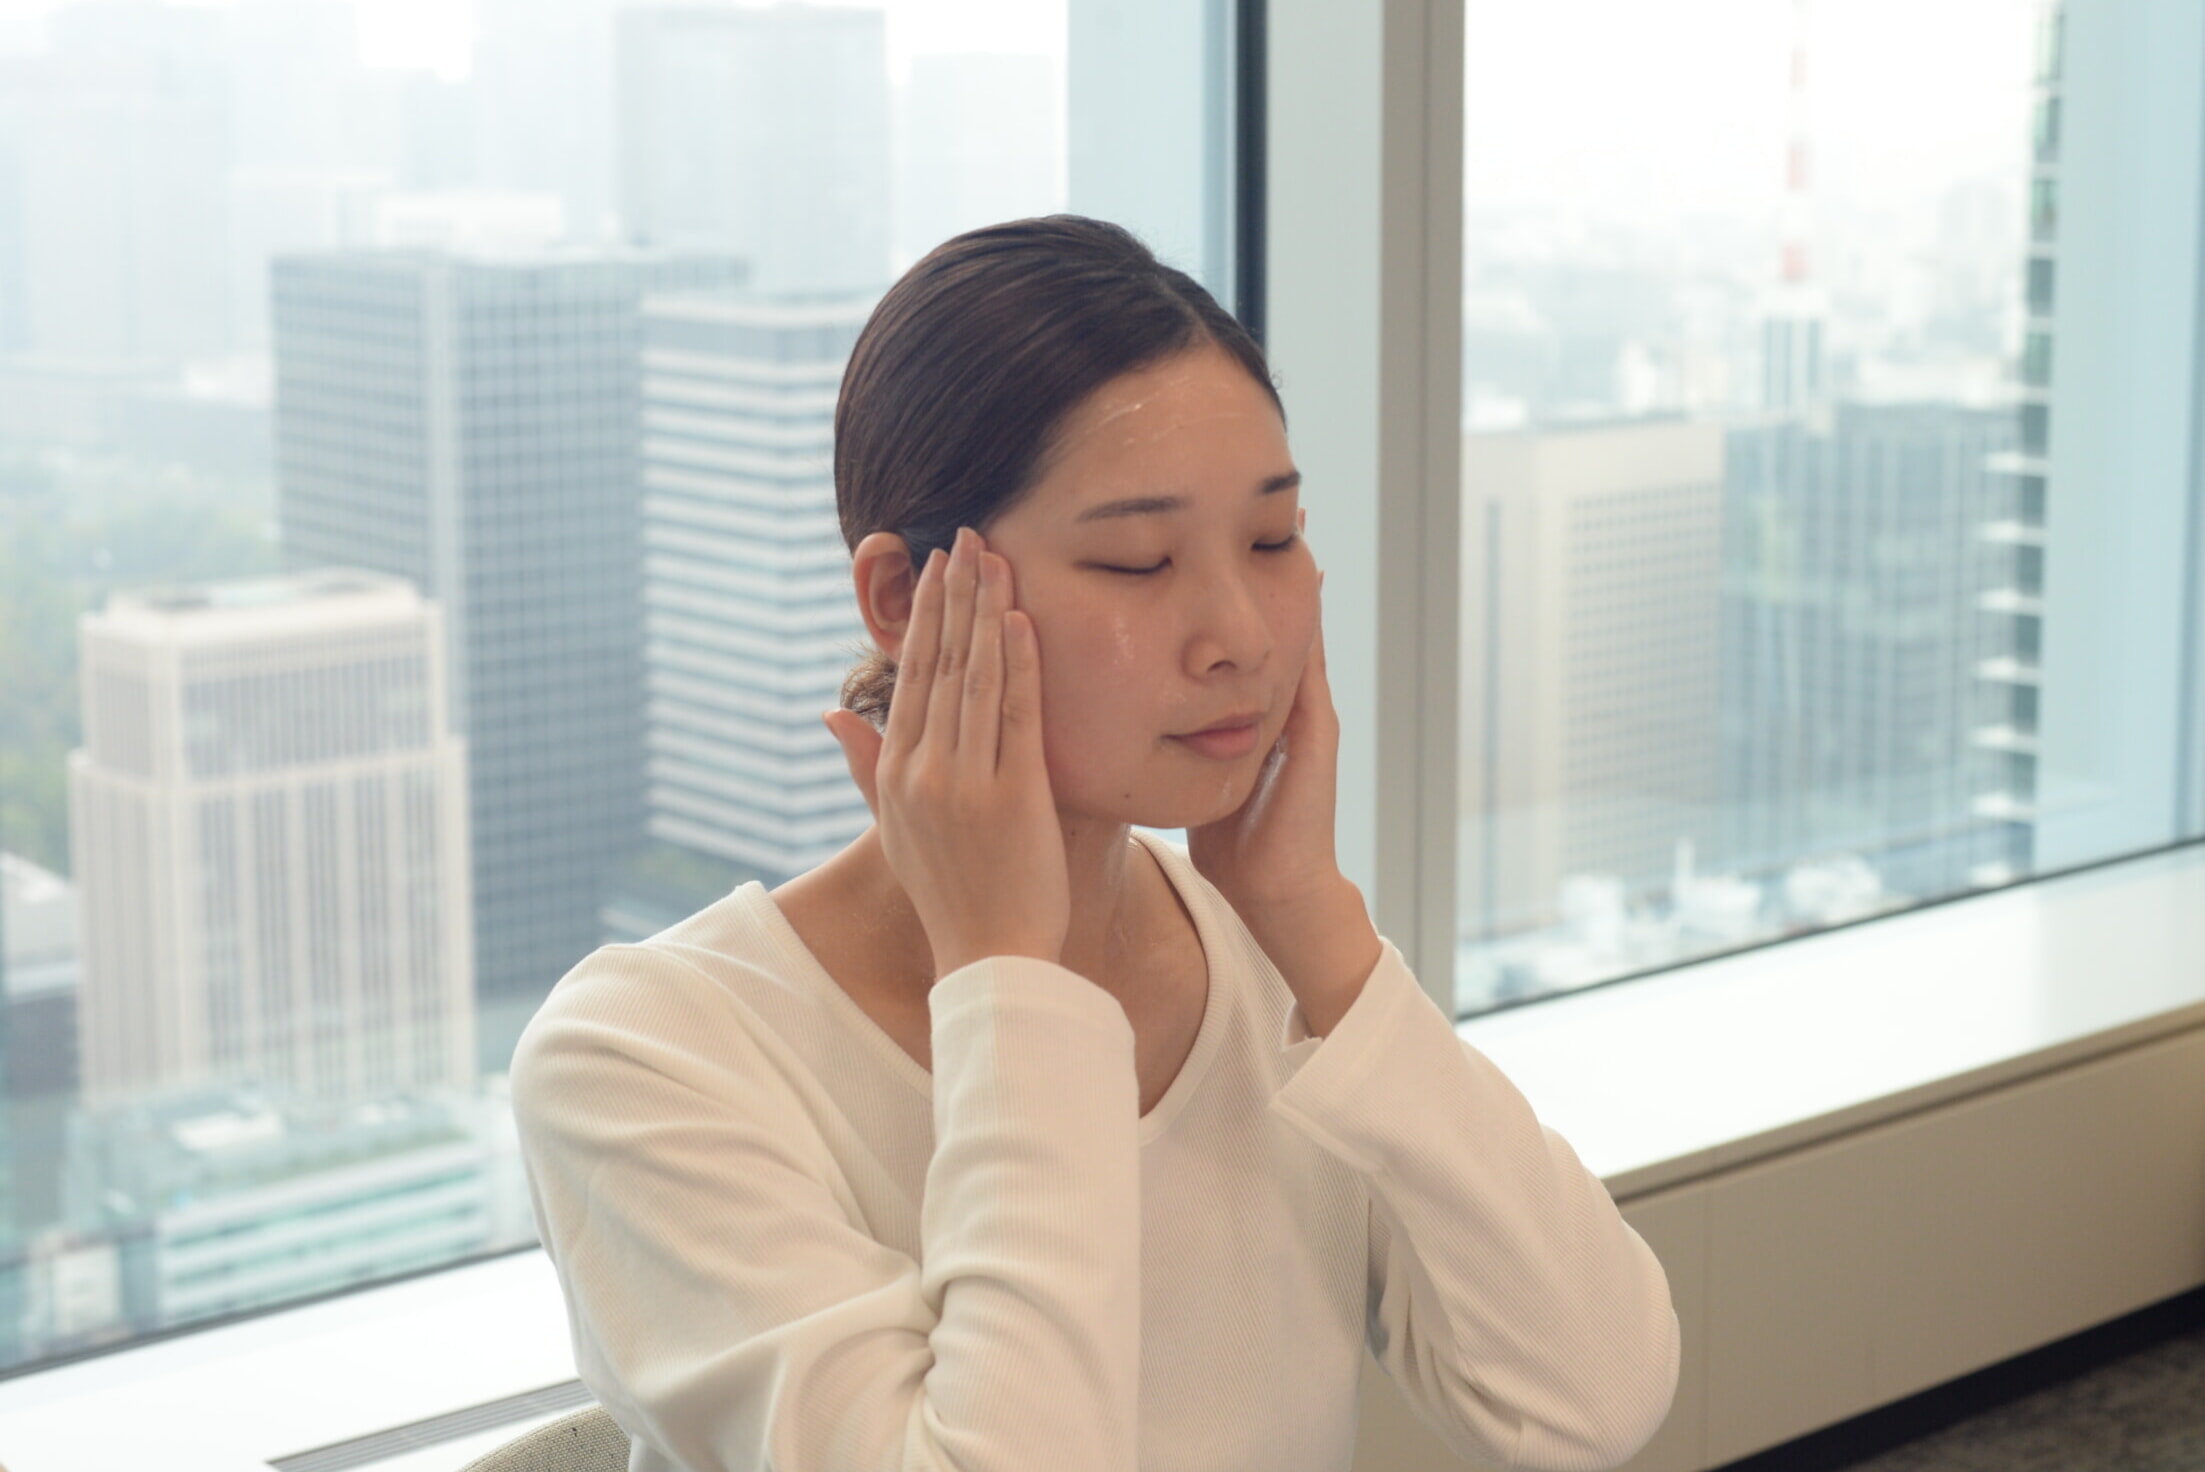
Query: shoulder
x=680, y=1005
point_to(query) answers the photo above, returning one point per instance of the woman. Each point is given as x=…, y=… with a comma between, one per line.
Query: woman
x=1012, y=1136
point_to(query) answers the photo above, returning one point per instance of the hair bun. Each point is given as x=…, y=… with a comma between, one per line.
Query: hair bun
x=868, y=688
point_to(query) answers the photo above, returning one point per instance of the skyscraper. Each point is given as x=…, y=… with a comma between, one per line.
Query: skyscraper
x=749, y=620
x=1589, y=657
x=1851, y=637
x=269, y=825
x=470, y=424
x=1794, y=374
x=2012, y=599
x=114, y=152
x=759, y=132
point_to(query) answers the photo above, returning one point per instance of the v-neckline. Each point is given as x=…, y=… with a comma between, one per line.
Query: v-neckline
x=1208, y=1034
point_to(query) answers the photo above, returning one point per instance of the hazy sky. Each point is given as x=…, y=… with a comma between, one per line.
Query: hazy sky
x=432, y=34
x=1622, y=108
x=1634, y=108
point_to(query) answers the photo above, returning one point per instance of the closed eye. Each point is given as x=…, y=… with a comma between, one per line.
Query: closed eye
x=1137, y=572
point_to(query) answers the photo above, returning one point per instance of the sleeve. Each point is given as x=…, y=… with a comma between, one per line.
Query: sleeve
x=727, y=1304
x=1523, y=1319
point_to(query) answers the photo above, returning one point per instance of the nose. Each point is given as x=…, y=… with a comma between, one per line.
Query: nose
x=1227, y=628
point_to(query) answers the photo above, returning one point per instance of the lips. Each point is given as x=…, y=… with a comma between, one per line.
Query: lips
x=1229, y=723
x=1232, y=737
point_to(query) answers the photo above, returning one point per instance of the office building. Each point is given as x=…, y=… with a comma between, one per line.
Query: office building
x=193, y=1203
x=2012, y=600
x=762, y=133
x=1851, y=637
x=38, y=1048
x=469, y=424
x=749, y=619
x=114, y=151
x=1590, y=648
x=268, y=818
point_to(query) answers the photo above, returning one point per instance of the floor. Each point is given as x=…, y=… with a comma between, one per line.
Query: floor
x=2144, y=1412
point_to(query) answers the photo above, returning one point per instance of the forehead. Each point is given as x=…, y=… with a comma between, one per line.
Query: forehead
x=1195, y=424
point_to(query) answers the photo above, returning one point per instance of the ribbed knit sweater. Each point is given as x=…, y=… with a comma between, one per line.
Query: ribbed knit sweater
x=786, y=1245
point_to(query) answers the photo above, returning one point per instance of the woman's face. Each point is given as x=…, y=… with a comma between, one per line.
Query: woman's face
x=1161, y=560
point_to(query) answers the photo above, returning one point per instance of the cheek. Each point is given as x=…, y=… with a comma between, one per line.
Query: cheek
x=1098, y=687
x=1293, y=617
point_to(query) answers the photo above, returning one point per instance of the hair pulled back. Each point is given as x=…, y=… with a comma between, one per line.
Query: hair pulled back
x=965, y=371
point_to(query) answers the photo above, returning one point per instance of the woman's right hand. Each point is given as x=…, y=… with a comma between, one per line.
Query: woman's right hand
x=957, y=782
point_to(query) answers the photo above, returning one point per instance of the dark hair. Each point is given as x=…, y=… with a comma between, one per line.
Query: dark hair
x=963, y=374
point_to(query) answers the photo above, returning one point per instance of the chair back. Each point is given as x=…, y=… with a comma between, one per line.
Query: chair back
x=587, y=1441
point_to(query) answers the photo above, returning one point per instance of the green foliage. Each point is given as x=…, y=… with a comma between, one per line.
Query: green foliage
x=74, y=529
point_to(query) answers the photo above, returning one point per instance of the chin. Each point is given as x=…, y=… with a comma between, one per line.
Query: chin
x=1181, y=801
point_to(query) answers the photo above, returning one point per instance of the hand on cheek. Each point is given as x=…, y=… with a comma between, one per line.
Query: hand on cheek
x=1276, y=849
x=1274, y=860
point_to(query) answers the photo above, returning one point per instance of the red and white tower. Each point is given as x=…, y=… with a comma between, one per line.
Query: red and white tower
x=1792, y=374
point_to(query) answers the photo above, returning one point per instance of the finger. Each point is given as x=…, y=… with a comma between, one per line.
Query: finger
x=1314, y=699
x=1318, y=652
x=1312, y=692
x=915, y=671
x=981, y=722
x=1021, y=739
x=860, y=745
x=960, y=585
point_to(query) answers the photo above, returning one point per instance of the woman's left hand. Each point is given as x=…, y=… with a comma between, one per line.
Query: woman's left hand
x=1276, y=849
x=1274, y=860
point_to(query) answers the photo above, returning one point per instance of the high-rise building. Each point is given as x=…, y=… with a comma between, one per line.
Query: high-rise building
x=2011, y=670
x=749, y=620
x=1589, y=660
x=284, y=211
x=759, y=132
x=1794, y=374
x=38, y=1047
x=114, y=156
x=1851, y=636
x=217, y=1200
x=470, y=424
x=268, y=819
x=38, y=982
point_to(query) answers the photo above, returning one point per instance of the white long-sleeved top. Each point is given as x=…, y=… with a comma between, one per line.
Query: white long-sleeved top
x=786, y=1245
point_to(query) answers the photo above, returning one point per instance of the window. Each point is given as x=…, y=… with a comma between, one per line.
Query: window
x=430, y=416
x=1804, y=580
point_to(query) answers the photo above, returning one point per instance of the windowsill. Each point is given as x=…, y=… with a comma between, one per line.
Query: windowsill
x=235, y=1397
x=1658, y=1081
x=1653, y=1082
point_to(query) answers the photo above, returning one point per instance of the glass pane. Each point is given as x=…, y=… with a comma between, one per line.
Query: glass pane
x=1805, y=580
x=418, y=565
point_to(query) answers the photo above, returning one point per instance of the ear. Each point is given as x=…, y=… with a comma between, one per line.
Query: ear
x=886, y=580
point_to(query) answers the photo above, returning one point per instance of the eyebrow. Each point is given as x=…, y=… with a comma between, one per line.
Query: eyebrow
x=1149, y=505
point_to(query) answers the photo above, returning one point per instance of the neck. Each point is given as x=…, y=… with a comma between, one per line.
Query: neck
x=1105, y=929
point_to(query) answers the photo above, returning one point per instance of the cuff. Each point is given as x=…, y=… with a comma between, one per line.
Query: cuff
x=1363, y=1076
